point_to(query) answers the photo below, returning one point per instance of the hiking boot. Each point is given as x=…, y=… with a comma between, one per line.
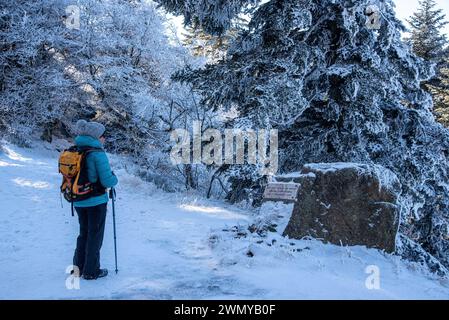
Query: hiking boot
x=101, y=273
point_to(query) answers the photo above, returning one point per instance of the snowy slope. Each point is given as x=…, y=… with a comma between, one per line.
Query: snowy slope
x=172, y=246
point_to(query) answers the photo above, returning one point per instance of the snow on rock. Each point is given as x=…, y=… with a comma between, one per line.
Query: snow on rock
x=295, y=175
x=386, y=177
x=334, y=166
x=274, y=215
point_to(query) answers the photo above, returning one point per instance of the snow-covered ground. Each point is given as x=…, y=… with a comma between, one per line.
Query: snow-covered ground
x=173, y=246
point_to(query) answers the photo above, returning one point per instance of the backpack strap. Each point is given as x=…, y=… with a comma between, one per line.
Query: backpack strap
x=89, y=149
x=86, y=151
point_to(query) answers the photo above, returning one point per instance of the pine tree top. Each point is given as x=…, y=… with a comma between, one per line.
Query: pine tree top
x=427, y=38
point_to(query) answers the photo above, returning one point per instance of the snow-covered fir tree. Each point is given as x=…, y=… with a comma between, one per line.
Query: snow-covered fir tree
x=440, y=92
x=337, y=90
x=427, y=37
x=428, y=42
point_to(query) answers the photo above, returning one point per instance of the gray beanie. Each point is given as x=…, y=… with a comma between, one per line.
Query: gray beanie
x=93, y=129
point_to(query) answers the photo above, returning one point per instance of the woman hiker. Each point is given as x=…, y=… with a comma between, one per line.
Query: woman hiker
x=92, y=211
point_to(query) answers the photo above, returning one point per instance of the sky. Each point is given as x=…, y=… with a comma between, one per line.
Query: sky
x=405, y=8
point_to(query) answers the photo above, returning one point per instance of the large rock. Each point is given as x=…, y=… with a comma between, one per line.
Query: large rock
x=346, y=203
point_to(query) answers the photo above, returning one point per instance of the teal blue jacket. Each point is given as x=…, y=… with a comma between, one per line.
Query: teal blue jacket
x=97, y=168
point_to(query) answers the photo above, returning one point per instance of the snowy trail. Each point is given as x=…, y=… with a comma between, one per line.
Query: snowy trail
x=164, y=250
x=162, y=244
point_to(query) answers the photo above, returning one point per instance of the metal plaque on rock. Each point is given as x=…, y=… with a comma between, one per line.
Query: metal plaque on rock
x=279, y=191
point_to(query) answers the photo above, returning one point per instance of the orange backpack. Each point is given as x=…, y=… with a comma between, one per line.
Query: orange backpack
x=75, y=184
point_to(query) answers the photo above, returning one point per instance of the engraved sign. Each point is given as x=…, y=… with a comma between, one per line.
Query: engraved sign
x=281, y=191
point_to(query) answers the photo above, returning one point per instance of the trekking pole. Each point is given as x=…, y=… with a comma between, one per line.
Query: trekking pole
x=112, y=196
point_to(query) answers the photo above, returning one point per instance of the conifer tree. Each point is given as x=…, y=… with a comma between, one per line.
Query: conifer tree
x=440, y=92
x=428, y=41
x=427, y=38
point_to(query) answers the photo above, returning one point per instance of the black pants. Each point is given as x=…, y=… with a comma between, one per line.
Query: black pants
x=90, y=239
